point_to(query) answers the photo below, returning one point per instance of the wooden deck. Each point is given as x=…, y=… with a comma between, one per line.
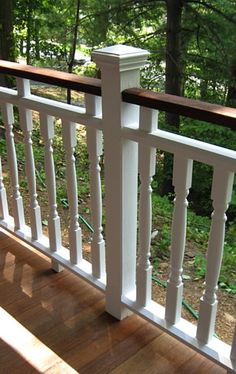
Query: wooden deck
x=55, y=323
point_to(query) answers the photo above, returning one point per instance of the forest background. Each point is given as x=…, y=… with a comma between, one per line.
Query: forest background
x=192, y=45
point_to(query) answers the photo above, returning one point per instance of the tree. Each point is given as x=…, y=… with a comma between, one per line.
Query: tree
x=74, y=41
x=6, y=35
x=192, y=44
x=173, y=54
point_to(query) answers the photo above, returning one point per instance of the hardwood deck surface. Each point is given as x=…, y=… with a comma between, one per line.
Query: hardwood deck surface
x=55, y=323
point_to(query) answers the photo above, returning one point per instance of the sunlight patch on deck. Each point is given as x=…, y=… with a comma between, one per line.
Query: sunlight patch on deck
x=29, y=347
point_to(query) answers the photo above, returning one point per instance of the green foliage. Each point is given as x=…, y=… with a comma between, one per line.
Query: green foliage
x=196, y=241
x=87, y=70
x=3, y=150
x=200, y=265
x=200, y=193
x=44, y=32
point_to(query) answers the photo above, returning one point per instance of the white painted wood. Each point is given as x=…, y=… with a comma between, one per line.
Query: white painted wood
x=41, y=104
x=17, y=203
x=4, y=213
x=95, y=150
x=163, y=140
x=147, y=165
x=182, y=178
x=190, y=148
x=221, y=195
x=184, y=331
x=119, y=69
x=56, y=266
x=54, y=227
x=233, y=348
x=26, y=124
x=75, y=235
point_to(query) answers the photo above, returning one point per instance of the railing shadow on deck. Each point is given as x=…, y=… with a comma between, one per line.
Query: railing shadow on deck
x=56, y=309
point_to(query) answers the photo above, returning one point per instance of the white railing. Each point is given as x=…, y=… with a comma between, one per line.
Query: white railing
x=131, y=138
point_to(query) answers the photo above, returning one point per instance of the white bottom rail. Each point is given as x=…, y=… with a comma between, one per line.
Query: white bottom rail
x=185, y=331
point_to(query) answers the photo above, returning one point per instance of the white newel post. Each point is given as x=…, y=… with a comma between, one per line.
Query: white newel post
x=147, y=166
x=95, y=150
x=26, y=123
x=221, y=195
x=17, y=202
x=182, y=178
x=120, y=69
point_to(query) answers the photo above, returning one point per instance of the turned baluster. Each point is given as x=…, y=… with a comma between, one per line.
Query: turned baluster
x=75, y=236
x=147, y=164
x=54, y=228
x=95, y=150
x=221, y=195
x=26, y=124
x=182, y=176
x=233, y=349
x=17, y=202
x=4, y=213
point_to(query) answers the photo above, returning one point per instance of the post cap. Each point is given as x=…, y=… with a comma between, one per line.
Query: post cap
x=126, y=57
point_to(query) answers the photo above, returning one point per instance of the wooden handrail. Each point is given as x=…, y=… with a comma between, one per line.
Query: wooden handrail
x=54, y=77
x=196, y=109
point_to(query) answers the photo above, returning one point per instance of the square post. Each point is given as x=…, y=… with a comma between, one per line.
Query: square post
x=120, y=69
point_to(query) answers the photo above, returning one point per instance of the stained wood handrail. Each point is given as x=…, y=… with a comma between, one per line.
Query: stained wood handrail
x=54, y=77
x=196, y=109
x=218, y=114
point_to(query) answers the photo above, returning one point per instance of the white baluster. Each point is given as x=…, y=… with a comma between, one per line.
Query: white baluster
x=119, y=69
x=54, y=228
x=26, y=124
x=233, y=349
x=95, y=149
x=221, y=195
x=147, y=164
x=75, y=236
x=4, y=213
x=182, y=177
x=17, y=203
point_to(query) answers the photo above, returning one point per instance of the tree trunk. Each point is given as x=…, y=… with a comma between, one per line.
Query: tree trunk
x=173, y=78
x=73, y=48
x=7, y=50
x=231, y=95
x=173, y=55
x=203, y=89
x=29, y=31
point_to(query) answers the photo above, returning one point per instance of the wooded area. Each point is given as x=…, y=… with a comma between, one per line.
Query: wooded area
x=191, y=44
x=192, y=40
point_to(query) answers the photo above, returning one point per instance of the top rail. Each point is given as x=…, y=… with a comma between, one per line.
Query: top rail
x=54, y=77
x=196, y=109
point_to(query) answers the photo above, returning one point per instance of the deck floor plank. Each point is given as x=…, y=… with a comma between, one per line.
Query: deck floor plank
x=56, y=323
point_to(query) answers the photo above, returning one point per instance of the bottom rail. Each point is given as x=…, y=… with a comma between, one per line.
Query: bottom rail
x=185, y=331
